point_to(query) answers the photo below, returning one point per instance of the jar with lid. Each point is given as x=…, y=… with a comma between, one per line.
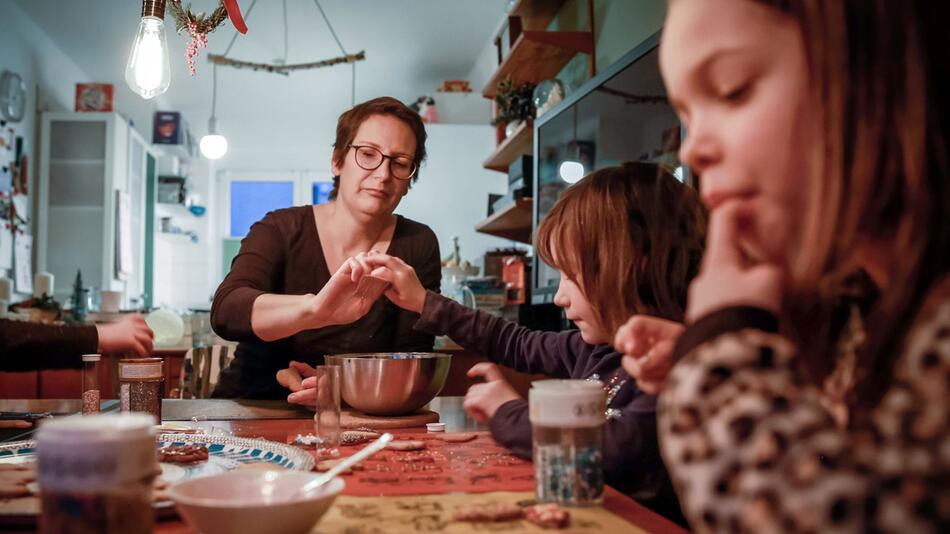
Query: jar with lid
x=95, y=474
x=90, y=383
x=567, y=424
x=141, y=382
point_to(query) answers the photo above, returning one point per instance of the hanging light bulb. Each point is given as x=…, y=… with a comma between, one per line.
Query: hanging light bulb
x=148, y=72
x=213, y=145
x=571, y=171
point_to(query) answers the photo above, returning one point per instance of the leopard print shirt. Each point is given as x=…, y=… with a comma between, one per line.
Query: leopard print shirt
x=751, y=448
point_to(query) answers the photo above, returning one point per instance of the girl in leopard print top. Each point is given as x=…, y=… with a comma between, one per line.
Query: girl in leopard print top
x=819, y=132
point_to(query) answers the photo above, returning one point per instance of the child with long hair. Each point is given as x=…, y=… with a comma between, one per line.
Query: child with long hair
x=626, y=240
x=811, y=391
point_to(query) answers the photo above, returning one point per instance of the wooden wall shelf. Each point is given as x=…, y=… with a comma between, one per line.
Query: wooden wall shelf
x=513, y=222
x=521, y=141
x=536, y=14
x=539, y=55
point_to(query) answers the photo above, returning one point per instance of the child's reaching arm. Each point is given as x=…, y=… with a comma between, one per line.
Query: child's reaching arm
x=500, y=341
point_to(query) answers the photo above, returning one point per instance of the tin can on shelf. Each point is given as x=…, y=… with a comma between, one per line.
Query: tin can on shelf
x=141, y=382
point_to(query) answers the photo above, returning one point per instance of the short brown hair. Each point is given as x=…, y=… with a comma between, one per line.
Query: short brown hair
x=632, y=236
x=351, y=120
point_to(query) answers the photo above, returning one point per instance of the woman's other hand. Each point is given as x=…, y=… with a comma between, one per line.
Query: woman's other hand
x=647, y=346
x=483, y=400
x=339, y=302
x=129, y=333
x=729, y=277
x=405, y=289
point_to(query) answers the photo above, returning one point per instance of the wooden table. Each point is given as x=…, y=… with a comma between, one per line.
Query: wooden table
x=278, y=421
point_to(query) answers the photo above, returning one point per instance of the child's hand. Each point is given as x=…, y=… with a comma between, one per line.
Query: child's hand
x=728, y=276
x=129, y=333
x=647, y=344
x=483, y=400
x=405, y=289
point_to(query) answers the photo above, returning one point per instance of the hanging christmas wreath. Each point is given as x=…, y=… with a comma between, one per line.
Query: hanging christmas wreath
x=200, y=25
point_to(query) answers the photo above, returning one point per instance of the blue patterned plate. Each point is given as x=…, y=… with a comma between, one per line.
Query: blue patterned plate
x=225, y=453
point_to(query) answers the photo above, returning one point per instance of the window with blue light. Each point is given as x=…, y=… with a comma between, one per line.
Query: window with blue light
x=250, y=201
x=321, y=192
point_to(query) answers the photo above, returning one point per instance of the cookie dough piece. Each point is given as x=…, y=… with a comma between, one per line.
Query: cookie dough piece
x=326, y=465
x=183, y=454
x=488, y=512
x=454, y=437
x=406, y=445
x=548, y=516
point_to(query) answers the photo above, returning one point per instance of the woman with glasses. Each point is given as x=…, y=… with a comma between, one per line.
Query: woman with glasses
x=293, y=293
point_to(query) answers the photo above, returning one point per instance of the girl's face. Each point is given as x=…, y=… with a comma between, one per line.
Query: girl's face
x=375, y=192
x=736, y=73
x=577, y=309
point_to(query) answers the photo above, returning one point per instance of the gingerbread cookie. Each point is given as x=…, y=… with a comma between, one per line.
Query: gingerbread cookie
x=488, y=512
x=183, y=454
x=326, y=465
x=406, y=445
x=548, y=516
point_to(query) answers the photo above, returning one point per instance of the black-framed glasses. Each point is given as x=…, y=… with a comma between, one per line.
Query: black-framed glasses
x=370, y=158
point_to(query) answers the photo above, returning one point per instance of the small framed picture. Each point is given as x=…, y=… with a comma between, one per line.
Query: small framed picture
x=94, y=96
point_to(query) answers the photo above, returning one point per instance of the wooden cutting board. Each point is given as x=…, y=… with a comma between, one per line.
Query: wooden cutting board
x=353, y=419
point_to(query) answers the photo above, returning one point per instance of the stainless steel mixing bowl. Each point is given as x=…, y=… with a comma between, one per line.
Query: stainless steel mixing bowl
x=391, y=383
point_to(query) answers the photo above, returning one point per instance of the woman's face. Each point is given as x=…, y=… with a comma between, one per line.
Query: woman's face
x=375, y=192
x=736, y=73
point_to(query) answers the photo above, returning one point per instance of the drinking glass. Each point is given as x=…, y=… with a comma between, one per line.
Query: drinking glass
x=326, y=418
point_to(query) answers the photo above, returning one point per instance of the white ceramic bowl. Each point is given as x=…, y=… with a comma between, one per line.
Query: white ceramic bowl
x=252, y=502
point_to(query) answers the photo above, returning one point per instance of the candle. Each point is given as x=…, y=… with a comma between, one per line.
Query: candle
x=6, y=288
x=42, y=284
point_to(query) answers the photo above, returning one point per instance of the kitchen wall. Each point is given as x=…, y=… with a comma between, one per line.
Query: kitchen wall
x=28, y=51
x=451, y=195
x=50, y=77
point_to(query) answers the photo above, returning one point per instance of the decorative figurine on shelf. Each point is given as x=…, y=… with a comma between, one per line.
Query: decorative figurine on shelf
x=79, y=299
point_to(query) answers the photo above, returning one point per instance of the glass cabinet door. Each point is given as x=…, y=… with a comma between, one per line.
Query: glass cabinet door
x=625, y=118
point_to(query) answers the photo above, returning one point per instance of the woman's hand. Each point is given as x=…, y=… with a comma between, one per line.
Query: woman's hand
x=405, y=289
x=303, y=392
x=129, y=333
x=728, y=277
x=340, y=301
x=483, y=400
x=647, y=346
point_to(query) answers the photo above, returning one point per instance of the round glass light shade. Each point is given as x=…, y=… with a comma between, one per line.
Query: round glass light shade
x=213, y=146
x=571, y=171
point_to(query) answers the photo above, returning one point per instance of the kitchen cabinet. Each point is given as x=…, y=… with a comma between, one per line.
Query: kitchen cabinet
x=93, y=176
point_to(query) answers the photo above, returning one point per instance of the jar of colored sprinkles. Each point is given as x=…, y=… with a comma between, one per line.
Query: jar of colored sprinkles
x=90, y=384
x=141, y=383
x=567, y=424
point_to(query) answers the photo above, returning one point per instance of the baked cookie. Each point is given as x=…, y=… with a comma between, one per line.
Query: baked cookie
x=183, y=454
x=407, y=445
x=488, y=512
x=548, y=516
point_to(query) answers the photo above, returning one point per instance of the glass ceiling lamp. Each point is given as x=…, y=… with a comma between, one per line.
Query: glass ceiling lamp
x=571, y=169
x=148, y=72
x=213, y=145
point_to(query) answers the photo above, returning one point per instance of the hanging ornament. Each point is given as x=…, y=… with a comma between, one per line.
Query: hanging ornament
x=198, y=41
x=199, y=25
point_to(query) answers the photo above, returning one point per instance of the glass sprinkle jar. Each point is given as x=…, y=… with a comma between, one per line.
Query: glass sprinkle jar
x=141, y=383
x=90, y=384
